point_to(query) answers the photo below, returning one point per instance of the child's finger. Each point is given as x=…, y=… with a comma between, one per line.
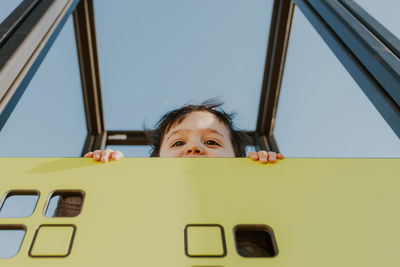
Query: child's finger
x=97, y=155
x=88, y=155
x=105, y=156
x=271, y=156
x=116, y=155
x=253, y=155
x=280, y=156
x=263, y=156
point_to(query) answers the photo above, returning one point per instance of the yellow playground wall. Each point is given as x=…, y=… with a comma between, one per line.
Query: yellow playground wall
x=323, y=212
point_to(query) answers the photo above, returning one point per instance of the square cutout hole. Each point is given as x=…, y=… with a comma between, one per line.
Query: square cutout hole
x=11, y=237
x=65, y=203
x=18, y=203
x=253, y=241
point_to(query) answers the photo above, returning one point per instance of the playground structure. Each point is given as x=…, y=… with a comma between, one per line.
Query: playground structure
x=187, y=212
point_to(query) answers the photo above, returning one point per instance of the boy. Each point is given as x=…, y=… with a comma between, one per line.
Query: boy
x=191, y=131
x=195, y=131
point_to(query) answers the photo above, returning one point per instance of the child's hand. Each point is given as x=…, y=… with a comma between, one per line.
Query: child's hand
x=104, y=155
x=264, y=156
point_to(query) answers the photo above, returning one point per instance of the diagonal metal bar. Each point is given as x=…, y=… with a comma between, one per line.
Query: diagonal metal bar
x=370, y=51
x=11, y=23
x=372, y=88
x=24, y=49
x=385, y=36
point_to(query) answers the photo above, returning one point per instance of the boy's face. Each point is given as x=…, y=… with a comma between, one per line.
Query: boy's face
x=200, y=134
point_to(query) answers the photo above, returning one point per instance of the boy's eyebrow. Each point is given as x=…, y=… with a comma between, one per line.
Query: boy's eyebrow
x=183, y=130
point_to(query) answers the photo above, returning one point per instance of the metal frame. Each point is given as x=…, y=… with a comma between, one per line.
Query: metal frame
x=11, y=23
x=118, y=138
x=277, y=45
x=25, y=46
x=371, y=64
x=344, y=35
x=385, y=36
x=263, y=136
x=369, y=52
x=90, y=77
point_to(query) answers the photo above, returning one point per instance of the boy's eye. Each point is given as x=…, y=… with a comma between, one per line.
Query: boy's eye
x=212, y=143
x=178, y=143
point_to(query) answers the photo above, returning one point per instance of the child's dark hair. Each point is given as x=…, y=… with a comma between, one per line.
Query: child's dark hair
x=176, y=116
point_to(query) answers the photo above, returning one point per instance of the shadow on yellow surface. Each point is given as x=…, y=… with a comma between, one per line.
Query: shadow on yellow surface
x=63, y=164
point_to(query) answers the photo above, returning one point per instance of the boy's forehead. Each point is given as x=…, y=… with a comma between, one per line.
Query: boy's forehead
x=200, y=120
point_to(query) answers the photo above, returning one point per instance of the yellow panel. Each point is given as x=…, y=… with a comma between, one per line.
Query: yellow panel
x=52, y=240
x=324, y=212
x=204, y=240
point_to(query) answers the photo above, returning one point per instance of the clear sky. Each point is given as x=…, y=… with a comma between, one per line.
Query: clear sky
x=167, y=53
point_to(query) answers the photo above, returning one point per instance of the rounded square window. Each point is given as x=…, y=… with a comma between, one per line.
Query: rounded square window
x=11, y=237
x=253, y=241
x=64, y=203
x=18, y=203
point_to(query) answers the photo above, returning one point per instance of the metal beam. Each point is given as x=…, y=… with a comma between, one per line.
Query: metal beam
x=93, y=141
x=17, y=16
x=88, y=144
x=90, y=77
x=127, y=138
x=385, y=36
x=261, y=142
x=383, y=65
x=277, y=45
x=358, y=69
x=22, y=51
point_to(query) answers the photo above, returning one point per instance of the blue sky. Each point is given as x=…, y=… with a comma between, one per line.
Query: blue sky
x=174, y=52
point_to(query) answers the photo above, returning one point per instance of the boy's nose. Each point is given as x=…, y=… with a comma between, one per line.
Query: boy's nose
x=194, y=150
